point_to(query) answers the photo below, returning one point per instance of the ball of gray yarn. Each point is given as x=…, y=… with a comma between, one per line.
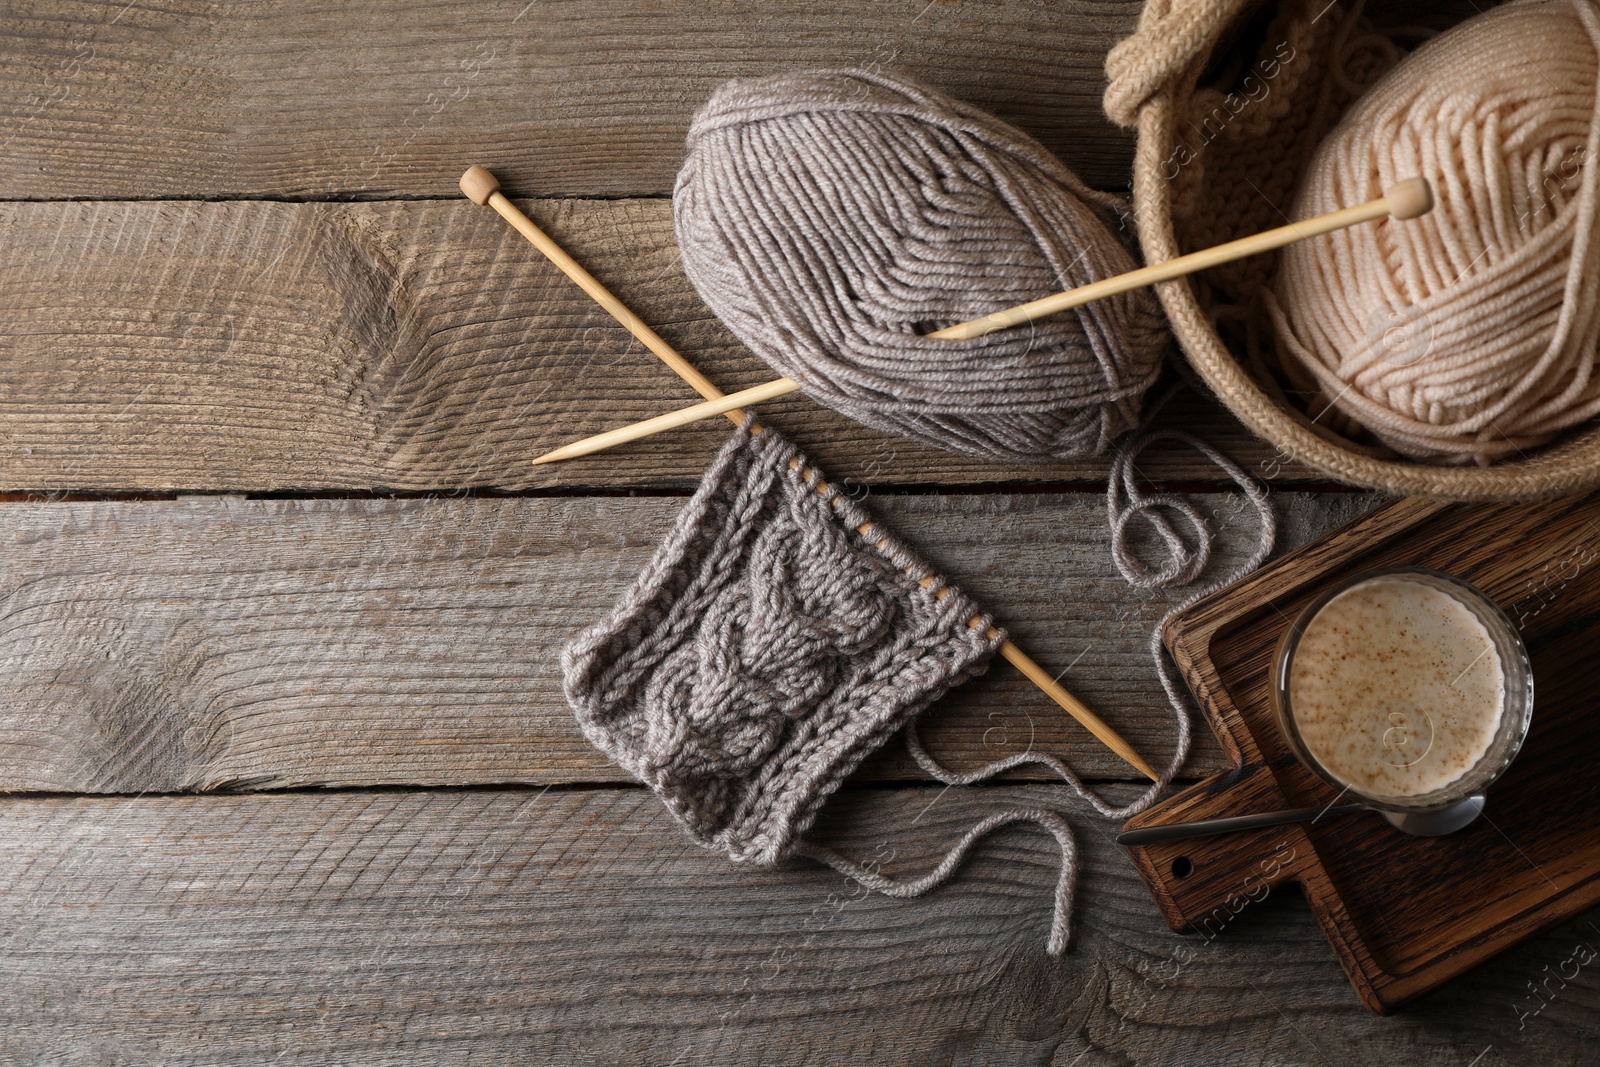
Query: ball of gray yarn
x=831, y=218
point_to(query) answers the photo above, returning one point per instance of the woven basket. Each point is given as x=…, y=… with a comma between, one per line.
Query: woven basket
x=1230, y=99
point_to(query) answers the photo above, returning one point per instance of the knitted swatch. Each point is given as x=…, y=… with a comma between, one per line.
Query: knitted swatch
x=765, y=651
x=780, y=635
x=777, y=638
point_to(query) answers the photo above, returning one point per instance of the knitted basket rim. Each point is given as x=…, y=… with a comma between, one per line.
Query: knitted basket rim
x=1567, y=466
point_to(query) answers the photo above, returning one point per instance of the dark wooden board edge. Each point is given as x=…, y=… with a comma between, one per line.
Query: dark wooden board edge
x=1188, y=637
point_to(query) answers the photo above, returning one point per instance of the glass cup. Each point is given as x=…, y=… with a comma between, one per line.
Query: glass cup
x=1409, y=735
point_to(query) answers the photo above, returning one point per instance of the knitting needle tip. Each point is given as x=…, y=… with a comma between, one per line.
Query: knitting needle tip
x=1076, y=708
x=673, y=419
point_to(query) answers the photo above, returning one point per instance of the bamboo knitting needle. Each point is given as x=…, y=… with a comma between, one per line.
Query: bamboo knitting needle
x=481, y=187
x=1404, y=200
x=1051, y=688
x=671, y=420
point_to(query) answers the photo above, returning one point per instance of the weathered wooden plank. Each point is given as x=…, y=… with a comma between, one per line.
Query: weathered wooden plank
x=580, y=927
x=192, y=99
x=417, y=346
x=172, y=645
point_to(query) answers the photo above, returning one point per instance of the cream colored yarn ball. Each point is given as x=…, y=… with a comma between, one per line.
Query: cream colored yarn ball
x=1470, y=334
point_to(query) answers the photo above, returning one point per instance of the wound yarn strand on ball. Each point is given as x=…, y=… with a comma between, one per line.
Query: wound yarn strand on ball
x=1471, y=334
x=832, y=218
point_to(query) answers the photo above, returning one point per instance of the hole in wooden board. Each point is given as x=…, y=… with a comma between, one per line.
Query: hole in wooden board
x=1182, y=867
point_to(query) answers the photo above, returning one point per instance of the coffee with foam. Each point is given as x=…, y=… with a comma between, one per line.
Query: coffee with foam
x=1396, y=688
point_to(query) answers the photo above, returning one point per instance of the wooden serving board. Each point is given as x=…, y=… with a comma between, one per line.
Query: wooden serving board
x=1403, y=913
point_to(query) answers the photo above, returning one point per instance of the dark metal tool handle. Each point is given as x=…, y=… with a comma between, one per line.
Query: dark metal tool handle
x=1150, y=835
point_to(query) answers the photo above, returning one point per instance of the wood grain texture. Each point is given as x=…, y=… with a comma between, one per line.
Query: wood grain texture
x=190, y=99
x=415, y=346
x=575, y=927
x=169, y=645
x=158, y=343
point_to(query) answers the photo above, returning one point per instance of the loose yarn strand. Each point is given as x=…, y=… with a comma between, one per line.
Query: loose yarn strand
x=875, y=880
x=1125, y=501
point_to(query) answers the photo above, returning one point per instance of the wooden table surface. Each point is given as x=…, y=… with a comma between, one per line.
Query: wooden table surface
x=292, y=777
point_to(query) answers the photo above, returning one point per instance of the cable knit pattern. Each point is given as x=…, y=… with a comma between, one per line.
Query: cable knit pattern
x=769, y=646
x=779, y=635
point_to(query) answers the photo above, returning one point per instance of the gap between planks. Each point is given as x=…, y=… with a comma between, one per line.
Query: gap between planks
x=403, y=347
x=184, y=645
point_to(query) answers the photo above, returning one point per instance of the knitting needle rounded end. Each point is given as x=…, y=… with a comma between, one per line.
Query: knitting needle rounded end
x=1409, y=198
x=479, y=184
